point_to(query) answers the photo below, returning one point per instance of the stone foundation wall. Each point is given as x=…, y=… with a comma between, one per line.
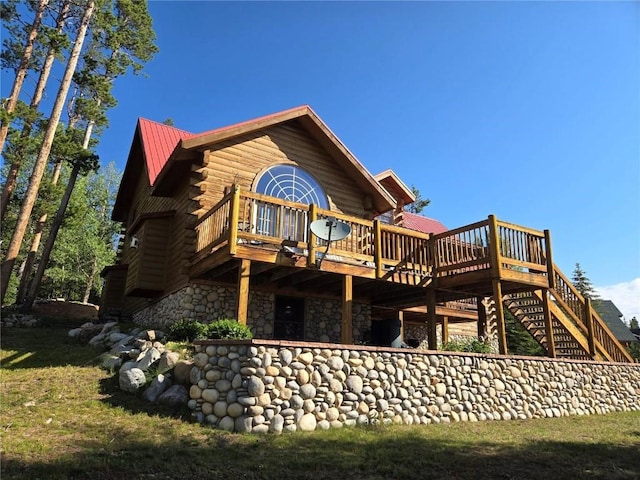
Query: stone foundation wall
x=270, y=386
x=207, y=303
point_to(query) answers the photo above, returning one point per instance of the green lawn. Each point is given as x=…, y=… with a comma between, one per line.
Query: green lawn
x=63, y=418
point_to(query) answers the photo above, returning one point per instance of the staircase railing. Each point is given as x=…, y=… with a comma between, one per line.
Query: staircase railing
x=601, y=339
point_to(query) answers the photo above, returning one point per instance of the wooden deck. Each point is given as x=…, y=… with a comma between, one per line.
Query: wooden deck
x=263, y=241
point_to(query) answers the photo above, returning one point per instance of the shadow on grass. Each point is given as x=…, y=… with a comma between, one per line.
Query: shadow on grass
x=111, y=394
x=46, y=345
x=356, y=454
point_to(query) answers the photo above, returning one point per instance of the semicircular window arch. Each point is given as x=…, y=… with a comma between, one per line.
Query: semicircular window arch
x=292, y=183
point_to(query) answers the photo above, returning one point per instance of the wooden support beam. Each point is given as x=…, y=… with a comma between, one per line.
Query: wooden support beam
x=244, y=274
x=234, y=210
x=313, y=216
x=377, y=251
x=494, y=247
x=347, y=309
x=401, y=319
x=445, y=329
x=432, y=321
x=502, y=334
x=482, y=318
x=548, y=324
x=549, y=259
x=588, y=320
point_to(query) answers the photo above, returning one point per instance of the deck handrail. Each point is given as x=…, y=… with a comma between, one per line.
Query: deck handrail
x=601, y=338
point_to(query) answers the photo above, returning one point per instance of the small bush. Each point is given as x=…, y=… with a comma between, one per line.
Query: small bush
x=186, y=330
x=467, y=345
x=227, y=329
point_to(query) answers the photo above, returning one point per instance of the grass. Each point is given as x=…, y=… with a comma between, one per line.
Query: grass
x=61, y=417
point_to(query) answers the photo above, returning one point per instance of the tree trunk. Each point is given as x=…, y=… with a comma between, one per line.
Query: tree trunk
x=41, y=162
x=27, y=266
x=22, y=69
x=92, y=276
x=51, y=239
x=12, y=175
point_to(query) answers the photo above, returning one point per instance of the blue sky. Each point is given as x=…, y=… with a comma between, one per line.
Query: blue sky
x=527, y=110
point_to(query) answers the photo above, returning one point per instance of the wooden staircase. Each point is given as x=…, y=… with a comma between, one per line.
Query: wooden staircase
x=577, y=331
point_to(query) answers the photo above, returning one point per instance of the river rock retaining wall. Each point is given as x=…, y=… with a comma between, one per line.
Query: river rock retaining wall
x=274, y=386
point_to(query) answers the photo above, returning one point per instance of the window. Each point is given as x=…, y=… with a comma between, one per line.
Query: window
x=291, y=183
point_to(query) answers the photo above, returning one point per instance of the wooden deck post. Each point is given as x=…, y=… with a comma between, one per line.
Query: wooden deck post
x=377, y=251
x=431, y=319
x=347, y=309
x=234, y=210
x=502, y=334
x=242, y=301
x=549, y=259
x=494, y=248
x=548, y=324
x=401, y=320
x=496, y=270
x=482, y=318
x=445, y=329
x=313, y=216
x=588, y=320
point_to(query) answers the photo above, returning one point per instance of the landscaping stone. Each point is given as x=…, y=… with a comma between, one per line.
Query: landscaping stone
x=175, y=396
x=158, y=386
x=132, y=379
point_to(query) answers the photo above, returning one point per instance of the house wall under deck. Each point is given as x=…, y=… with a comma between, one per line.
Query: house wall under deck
x=208, y=301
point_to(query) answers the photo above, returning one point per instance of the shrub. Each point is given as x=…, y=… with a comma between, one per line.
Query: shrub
x=186, y=330
x=468, y=345
x=227, y=329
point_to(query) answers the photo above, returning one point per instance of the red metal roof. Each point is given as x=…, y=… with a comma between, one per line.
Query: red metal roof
x=158, y=141
x=422, y=224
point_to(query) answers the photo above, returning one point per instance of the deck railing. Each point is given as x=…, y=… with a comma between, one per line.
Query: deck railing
x=260, y=220
x=462, y=250
x=213, y=227
x=522, y=248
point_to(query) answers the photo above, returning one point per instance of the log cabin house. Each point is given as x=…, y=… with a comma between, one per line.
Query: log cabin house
x=218, y=225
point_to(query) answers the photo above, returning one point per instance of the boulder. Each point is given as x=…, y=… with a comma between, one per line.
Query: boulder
x=168, y=360
x=148, y=358
x=182, y=372
x=158, y=386
x=132, y=379
x=174, y=396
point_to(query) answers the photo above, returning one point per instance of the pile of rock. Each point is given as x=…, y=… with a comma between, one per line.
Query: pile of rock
x=19, y=320
x=141, y=360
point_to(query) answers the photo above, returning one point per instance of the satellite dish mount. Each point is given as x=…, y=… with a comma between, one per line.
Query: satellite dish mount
x=330, y=230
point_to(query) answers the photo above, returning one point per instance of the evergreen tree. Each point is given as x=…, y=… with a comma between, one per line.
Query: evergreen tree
x=43, y=156
x=419, y=204
x=56, y=41
x=633, y=323
x=582, y=283
x=23, y=65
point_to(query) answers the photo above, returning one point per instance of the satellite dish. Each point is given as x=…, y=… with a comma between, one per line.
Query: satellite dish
x=330, y=230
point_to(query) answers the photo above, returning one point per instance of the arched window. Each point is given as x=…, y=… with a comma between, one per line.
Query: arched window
x=292, y=183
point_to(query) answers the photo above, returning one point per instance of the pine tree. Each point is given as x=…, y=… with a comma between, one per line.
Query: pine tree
x=43, y=156
x=21, y=71
x=122, y=39
x=56, y=41
x=419, y=204
x=582, y=283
